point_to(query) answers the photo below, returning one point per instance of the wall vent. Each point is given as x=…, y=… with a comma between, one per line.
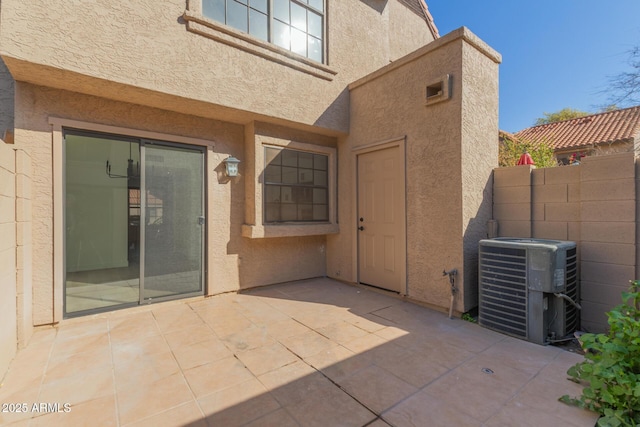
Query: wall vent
x=529, y=288
x=438, y=90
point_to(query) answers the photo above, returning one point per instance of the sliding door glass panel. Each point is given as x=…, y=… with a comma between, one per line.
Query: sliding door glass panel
x=102, y=222
x=173, y=221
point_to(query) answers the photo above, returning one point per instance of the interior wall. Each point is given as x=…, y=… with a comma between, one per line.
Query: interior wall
x=96, y=205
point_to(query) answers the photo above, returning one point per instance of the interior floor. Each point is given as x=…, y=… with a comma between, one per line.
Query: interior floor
x=99, y=289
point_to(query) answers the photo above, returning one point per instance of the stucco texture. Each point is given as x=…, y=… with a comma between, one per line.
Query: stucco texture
x=148, y=70
x=143, y=54
x=449, y=158
x=479, y=157
x=233, y=262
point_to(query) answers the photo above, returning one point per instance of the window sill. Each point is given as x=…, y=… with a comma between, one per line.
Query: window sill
x=288, y=230
x=196, y=23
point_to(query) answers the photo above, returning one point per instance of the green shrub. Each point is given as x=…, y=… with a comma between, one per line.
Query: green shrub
x=510, y=151
x=468, y=317
x=611, y=369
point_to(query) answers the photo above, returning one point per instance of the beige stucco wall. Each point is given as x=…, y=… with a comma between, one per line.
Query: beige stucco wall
x=8, y=314
x=400, y=32
x=149, y=70
x=593, y=204
x=440, y=156
x=479, y=158
x=145, y=54
x=233, y=261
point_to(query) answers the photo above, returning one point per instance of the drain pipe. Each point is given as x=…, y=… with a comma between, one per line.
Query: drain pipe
x=568, y=298
x=452, y=281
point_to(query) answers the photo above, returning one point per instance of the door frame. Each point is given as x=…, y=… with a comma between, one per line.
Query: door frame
x=400, y=143
x=58, y=174
x=144, y=142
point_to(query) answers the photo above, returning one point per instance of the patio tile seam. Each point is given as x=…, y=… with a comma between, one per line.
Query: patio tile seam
x=197, y=313
x=539, y=370
x=373, y=313
x=336, y=384
x=113, y=374
x=46, y=365
x=137, y=421
x=197, y=399
x=418, y=390
x=477, y=352
x=513, y=396
x=508, y=399
x=216, y=334
x=266, y=414
x=180, y=370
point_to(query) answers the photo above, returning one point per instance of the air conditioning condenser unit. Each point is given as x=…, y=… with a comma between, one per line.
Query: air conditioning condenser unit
x=528, y=288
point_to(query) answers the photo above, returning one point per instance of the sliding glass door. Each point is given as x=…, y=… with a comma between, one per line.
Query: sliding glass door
x=174, y=221
x=134, y=221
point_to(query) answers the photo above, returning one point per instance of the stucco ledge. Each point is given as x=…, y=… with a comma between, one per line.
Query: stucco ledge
x=287, y=230
x=462, y=33
x=198, y=24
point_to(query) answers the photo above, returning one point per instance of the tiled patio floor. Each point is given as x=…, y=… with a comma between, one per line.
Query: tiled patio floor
x=310, y=353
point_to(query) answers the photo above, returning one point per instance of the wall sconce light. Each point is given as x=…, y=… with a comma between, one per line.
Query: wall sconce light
x=231, y=166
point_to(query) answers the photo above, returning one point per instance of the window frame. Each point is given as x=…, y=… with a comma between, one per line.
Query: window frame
x=197, y=23
x=295, y=187
x=255, y=226
x=272, y=20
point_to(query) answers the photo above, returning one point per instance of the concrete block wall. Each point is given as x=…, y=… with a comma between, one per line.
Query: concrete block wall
x=16, y=313
x=512, y=206
x=24, y=248
x=556, y=210
x=8, y=314
x=595, y=205
x=608, y=235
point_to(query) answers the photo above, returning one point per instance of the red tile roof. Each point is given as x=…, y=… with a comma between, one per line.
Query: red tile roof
x=419, y=7
x=603, y=128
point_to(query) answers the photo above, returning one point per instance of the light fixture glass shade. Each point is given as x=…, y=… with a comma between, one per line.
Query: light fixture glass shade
x=231, y=165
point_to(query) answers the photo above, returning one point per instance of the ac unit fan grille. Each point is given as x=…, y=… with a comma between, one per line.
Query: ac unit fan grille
x=503, y=290
x=572, y=313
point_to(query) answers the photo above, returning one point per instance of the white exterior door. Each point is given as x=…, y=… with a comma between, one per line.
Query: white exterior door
x=381, y=219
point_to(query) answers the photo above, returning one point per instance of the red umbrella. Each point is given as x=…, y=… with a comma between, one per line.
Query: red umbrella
x=525, y=159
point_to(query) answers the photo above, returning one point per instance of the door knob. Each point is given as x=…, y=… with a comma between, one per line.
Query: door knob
x=361, y=228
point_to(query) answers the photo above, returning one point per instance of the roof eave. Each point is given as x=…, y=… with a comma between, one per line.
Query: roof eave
x=430, y=22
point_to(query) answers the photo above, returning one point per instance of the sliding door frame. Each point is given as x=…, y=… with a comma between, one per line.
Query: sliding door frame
x=64, y=127
x=143, y=212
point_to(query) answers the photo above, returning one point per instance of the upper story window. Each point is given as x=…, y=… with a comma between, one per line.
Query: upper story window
x=295, y=25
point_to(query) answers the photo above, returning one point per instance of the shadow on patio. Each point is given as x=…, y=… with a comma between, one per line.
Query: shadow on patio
x=315, y=352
